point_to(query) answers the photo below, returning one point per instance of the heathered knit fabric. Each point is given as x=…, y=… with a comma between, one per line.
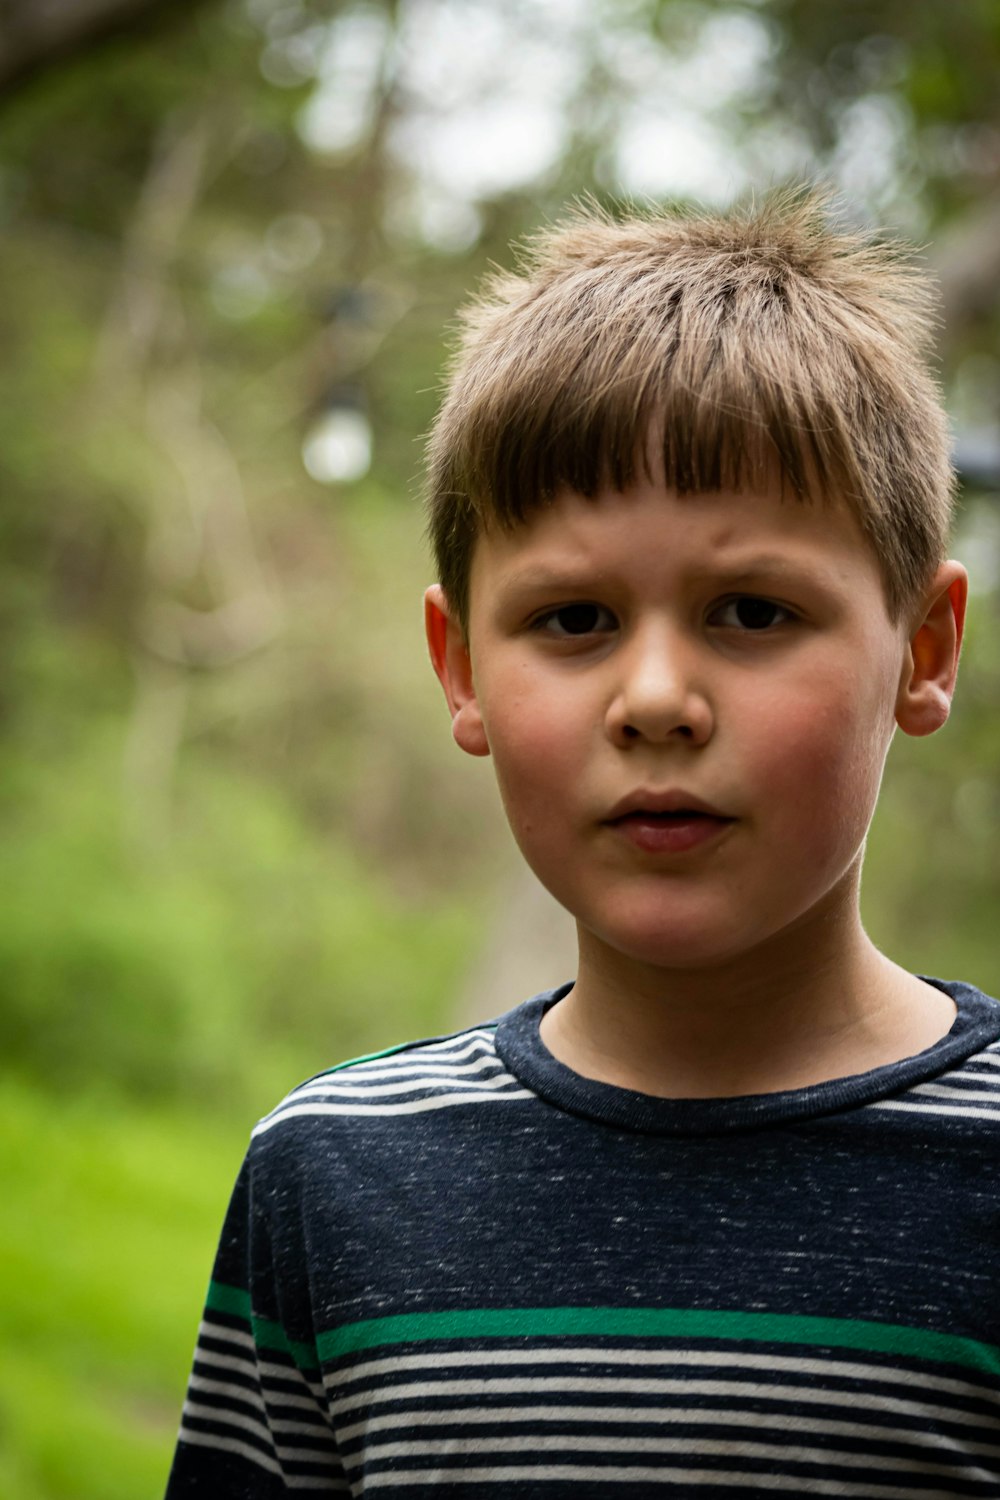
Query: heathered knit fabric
x=459, y=1264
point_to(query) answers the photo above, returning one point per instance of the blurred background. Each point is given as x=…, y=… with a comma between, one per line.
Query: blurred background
x=238, y=844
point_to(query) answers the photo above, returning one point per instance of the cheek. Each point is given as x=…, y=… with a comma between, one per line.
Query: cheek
x=530, y=770
x=826, y=766
x=535, y=749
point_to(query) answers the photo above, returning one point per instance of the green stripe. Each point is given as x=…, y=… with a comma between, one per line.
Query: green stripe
x=228, y=1299
x=267, y=1334
x=608, y=1322
x=659, y=1322
x=352, y=1062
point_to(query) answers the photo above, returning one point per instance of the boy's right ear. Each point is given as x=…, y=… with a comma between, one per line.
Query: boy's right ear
x=453, y=665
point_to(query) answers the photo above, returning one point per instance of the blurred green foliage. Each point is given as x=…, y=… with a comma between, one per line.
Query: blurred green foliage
x=237, y=843
x=251, y=955
x=105, y=1229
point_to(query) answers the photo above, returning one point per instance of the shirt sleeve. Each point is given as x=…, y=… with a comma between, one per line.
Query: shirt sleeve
x=255, y=1423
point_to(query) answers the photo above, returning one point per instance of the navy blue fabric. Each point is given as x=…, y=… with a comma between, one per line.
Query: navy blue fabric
x=469, y=1267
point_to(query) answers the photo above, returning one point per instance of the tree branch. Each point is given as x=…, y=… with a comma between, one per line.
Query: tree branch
x=36, y=35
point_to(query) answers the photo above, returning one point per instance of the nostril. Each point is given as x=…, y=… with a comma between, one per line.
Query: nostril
x=629, y=731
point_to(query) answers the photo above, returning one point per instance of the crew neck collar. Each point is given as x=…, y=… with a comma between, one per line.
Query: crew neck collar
x=519, y=1045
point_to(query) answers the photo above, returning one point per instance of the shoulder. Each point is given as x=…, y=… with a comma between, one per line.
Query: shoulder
x=959, y=1087
x=399, y=1085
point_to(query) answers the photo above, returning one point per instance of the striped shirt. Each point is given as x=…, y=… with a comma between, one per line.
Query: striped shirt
x=461, y=1264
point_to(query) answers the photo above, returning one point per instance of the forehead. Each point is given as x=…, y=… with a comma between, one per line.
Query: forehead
x=651, y=532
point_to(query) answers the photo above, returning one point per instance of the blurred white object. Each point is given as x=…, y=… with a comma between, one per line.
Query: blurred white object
x=339, y=447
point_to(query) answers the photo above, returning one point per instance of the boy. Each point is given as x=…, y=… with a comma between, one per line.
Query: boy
x=720, y=1214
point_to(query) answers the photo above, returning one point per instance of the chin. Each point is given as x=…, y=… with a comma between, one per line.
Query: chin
x=665, y=948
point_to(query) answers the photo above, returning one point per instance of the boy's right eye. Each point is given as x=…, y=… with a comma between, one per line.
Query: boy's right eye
x=571, y=620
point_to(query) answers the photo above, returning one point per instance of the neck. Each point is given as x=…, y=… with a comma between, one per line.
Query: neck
x=805, y=1007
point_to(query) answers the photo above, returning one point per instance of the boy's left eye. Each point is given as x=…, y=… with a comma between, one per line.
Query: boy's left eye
x=750, y=612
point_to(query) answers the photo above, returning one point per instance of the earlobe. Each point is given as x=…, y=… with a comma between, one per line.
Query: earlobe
x=453, y=664
x=928, y=682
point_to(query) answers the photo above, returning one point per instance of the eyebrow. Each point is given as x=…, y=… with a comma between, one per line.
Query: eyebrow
x=528, y=579
x=771, y=565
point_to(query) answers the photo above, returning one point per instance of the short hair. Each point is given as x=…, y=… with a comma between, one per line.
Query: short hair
x=734, y=343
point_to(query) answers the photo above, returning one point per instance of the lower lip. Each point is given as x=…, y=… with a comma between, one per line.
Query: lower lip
x=669, y=835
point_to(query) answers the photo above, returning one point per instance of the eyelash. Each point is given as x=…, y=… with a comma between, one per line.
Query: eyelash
x=550, y=616
x=542, y=622
x=761, y=599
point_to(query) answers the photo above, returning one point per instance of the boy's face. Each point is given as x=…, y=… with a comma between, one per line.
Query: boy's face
x=689, y=703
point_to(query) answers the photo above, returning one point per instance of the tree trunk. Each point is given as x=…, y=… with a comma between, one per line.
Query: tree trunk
x=35, y=35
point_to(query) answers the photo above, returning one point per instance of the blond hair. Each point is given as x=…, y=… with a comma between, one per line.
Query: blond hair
x=728, y=344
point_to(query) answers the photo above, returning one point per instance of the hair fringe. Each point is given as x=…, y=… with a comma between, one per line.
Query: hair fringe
x=710, y=349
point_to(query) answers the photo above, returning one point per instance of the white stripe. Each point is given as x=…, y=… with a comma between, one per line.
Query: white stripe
x=285, y=1452
x=233, y=1445
x=301, y=1429
x=416, y=1106
x=251, y=1362
x=228, y=1419
x=937, y=1109
x=229, y=1445
x=411, y=1085
x=481, y=1049
x=992, y=1058
x=224, y=1334
x=960, y=1092
x=267, y=1370
x=618, y=1385
x=455, y=1047
x=267, y=1404
x=649, y=1416
x=446, y=1449
x=265, y=1374
x=330, y=1483
x=778, y=1364
x=413, y=1065
x=413, y=1055
x=231, y=1392
x=968, y=1069
x=272, y=1374
x=600, y=1474
x=460, y=1039
x=225, y=1361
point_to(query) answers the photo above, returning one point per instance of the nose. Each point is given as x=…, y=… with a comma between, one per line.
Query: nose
x=660, y=693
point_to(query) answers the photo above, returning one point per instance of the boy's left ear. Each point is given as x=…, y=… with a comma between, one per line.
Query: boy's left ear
x=928, y=680
x=451, y=661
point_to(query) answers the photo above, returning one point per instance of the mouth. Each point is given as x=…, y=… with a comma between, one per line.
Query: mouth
x=667, y=806
x=677, y=814
x=669, y=823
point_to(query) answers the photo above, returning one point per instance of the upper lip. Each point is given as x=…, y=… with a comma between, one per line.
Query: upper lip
x=671, y=800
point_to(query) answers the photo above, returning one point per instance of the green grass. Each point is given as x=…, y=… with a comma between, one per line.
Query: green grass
x=110, y=1217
